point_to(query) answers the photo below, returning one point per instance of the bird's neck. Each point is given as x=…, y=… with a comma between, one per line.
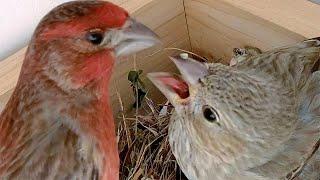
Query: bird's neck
x=98, y=122
x=101, y=125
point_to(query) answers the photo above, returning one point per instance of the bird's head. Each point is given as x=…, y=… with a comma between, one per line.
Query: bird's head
x=78, y=42
x=226, y=112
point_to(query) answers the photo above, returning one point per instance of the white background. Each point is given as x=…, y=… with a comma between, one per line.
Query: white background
x=18, y=18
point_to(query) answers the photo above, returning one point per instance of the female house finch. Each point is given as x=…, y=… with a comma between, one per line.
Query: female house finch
x=58, y=123
x=259, y=119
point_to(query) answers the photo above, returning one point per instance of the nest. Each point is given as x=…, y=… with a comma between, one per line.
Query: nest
x=143, y=137
x=143, y=144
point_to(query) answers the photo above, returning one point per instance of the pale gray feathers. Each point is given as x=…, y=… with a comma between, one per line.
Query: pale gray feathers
x=270, y=103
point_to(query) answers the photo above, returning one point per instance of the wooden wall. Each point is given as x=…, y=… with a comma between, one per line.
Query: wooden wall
x=217, y=26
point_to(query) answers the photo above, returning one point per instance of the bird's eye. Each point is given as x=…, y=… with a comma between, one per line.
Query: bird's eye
x=210, y=114
x=95, y=37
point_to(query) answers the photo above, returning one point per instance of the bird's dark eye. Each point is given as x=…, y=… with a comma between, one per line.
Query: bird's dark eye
x=210, y=114
x=95, y=37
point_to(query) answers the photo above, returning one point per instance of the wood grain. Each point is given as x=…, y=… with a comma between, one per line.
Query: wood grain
x=216, y=27
x=165, y=17
x=9, y=71
x=299, y=16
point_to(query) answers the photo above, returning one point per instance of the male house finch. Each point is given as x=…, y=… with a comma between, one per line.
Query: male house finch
x=259, y=119
x=58, y=123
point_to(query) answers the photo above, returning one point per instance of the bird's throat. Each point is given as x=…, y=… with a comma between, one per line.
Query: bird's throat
x=100, y=124
x=98, y=67
x=102, y=127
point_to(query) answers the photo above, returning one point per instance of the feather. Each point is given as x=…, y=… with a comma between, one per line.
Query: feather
x=293, y=66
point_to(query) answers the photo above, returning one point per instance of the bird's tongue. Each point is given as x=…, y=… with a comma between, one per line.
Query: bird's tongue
x=177, y=84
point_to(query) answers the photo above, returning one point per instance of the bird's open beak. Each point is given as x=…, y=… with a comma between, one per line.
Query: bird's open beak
x=174, y=87
x=190, y=69
x=131, y=38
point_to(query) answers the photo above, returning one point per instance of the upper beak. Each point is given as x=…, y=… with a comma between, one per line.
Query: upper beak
x=131, y=38
x=190, y=69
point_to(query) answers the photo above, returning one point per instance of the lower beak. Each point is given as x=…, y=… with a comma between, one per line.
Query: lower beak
x=133, y=37
x=178, y=89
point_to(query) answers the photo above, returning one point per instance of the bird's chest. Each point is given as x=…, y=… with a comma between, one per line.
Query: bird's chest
x=63, y=155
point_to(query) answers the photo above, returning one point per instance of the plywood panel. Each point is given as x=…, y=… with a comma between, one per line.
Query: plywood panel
x=9, y=71
x=216, y=27
x=300, y=16
x=165, y=17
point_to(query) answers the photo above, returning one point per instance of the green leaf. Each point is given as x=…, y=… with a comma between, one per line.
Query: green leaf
x=138, y=87
x=133, y=77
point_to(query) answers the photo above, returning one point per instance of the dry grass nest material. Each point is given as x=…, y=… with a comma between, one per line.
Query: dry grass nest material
x=143, y=137
x=143, y=144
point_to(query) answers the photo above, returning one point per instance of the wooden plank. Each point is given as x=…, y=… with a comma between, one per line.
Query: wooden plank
x=300, y=16
x=131, y=5
x=165, y=17
x=216, y=27
x=9, y=71
x=4, y=98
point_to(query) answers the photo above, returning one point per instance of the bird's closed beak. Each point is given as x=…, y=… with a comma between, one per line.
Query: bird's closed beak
x=131, y=38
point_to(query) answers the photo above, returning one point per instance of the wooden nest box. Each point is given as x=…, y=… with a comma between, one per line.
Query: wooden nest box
x=211, y=28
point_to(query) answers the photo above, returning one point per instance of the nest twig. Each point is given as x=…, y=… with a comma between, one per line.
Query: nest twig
x=148, y=156
x=143, y=137
x=143, y=143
